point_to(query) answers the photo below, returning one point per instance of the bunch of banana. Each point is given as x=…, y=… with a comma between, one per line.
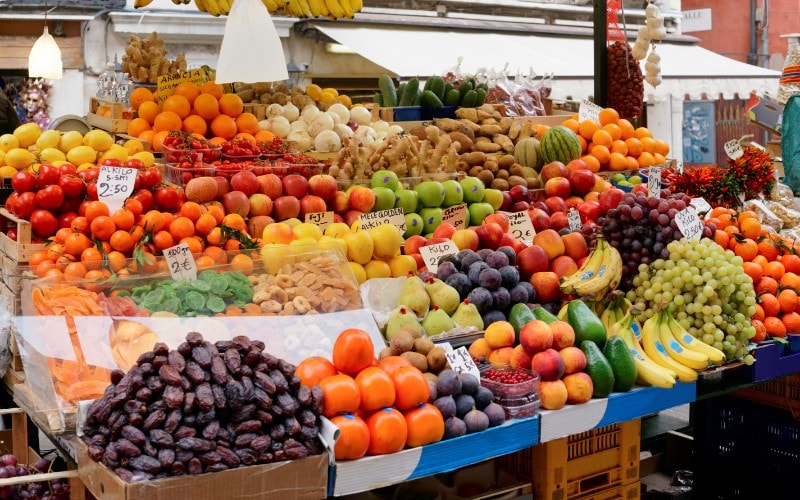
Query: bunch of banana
x=648, y=372
x=332, y=9
x=213, y=7
x=613, y=308
x=599, y=275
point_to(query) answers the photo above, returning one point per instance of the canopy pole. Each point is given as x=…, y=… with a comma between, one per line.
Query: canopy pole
x=600, y=59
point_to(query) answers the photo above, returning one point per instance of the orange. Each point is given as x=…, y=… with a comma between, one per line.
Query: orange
x=191, y=210
x=627, y=129
x=217, y=254
x=642, y=132
x=212, y=88
x=167, y=121
x=602, y=138
x=766, y=285
x=790, y=280
x=37, y=258
x=774, y=327
x=619, y=146
x=788, y=300
x=759, y=314
x=662, y=147
x=123, y=219
x=242, y=263
x=206, y=106
x=774, y=270
x=92, y=258
x=353, y=441
x=204, y=262
x=188, y=90
x=770, y=305
x=646, y=160
x=340, y=395
x=116, y=260
x=44, y=267
x=601, y=153
x=218, y=141
x=152, y=221
x=746, y=249
x=102, y=227
x=147, y=135
x=346, y=101
x=54, y=250
x=223, y=126
x=761, y=330
x=245, y=137
x=95, y=209
x=63, y=261
x=634, y=146
x=178, y=104
x=195, y=245
x=205, y=223
x=75, y=244
x=540, y=129
x=750, y=228
x=141, y=95
x=617, y=161
x=583, y=143
x=572, y=125
x=61, y=234
x=75, y=270
x=791, y=321
x=80, y=224
x=633, y=163
x=587, y=128
x=121, y=241
x=608, y=115
x=234, y=221
x=231, y=245
x=753, y=270
x=214, y=237
x=157, y=141
x=137, y=126
x=659, y=159
x=195, y=124
x=648, y=144
x=376, y=387
x=614, y=130
x=791, y=263
x=163, y=240
x=149, y=110
x=231, y=105
x=181, y=227
x=768, y=249
x=247, y=123
x=592, y=162
x=264, y=136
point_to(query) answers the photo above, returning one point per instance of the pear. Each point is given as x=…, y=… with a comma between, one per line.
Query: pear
x=442, y=295
x=414, y=296
x=402, y=318
x=467, y=315
x=437, y=322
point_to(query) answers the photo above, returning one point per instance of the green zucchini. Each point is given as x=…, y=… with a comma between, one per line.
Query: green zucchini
x=464, y=87
x=452, y=98
x=410, y=92
x=388, y=91
x=401, y=89
x=377, y=98
x=437, y=87
x=469, y=100
x=429, y=98
x=481, y=97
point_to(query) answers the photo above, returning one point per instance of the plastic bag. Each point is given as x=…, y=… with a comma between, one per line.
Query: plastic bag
x=380, y=296
x=454, y=75
x=767, y=216
x=789, y=216
x=251, y=49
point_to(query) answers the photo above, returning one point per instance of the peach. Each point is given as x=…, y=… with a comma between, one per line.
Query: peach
x=501, y=356
x=574, y=359
x=548, y=364
x=535, y=336
x=575, y=245
x=465, y=239
x=553, y=394
x=479, y=349
x=545, y=284
x=579, y=388
x=551, y=243
x=499, y=334
x=563, y=335
x=520, y=358
x=564, y=265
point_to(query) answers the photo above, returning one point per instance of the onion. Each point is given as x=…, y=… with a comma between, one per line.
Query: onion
x=343, y=131
x=298, y=125
x=327, y=141
x=321, y=122
x=336, y=118
x=300, y=140
x=291, y=112
x=380, y=126
x=309, y=112
x=366, y=135
x=274, y=110
x=394, y=130
x=279, y=126
x=360, y=115
x=341, y=110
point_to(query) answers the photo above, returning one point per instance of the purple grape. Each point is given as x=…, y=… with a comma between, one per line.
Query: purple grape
x=637, y=213
x=8, y=459
x=664, y=219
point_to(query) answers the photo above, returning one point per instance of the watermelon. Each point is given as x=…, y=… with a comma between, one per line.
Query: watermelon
x=527, y=154
x=559, y=144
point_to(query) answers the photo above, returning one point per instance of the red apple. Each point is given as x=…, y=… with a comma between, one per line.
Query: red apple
x=310, y=204
x=577, y=165
x=553, y=169
x=490, y=235
x=285, y=207
x=245, y=181
x=519, y=193
x=559, y=221
x=444, y=230
x=236, y=202
x=256, y=225
x=573, y=201
x=351, y=216
x=340, y=203
x=337, y=218
x=466, y=239
x=412, y=244
x=260, y=204
x=539, y=219
x=520, y=206
x=610, y=199
x=582, y=180
x=558, y=186
x=555, y=204
x=589, y=210
x=362, y=198
x=434, y=241
x=509, y=241
x=223, y=187
x=507, y=201
x=295, y=185
x=501, y=219
x=322, y=185
x=532, y=260
x=270, y=185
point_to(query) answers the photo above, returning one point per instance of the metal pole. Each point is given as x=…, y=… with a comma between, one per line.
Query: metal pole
x=600, y=60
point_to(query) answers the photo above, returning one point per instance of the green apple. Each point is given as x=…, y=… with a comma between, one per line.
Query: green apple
x=473, y=189
x=406, y=199
x=617, y=178
x=385, y=178
x=493, y=197
x=384, y=199
x=635, y=179
x=431, y=217
x=478, y=212
x=414, y=225
x=431, y=193
x=453, y=194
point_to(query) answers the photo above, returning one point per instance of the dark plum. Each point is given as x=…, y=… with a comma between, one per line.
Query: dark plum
x=552, y=307
x=519, y=294
x=426, y=275
x=509, y=276
x=448, y=383
x=492, y=316
x=531, y=292
x=510, y=253
x=497, y=259
x=461, y=283
x=454, y=427
x=446, y=406
x=451, y=258
x=464, y=404
x=483, y=397
x=481, y=298
x=474, y=272
x=445, y=270
x=495, y=413
x=468, y=257
x=489, y=279
x=485, y=252
x=502, y=298
x=476, y=421
x=469, y=383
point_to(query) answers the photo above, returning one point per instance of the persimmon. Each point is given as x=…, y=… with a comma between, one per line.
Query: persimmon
x=391, y=363
x=761, y=331
x=353, y=351
x=425, y=425
x=376, y=387
x=775, y=327
x=791, y=321
x=340, y=395
x=388, y=431
x=788, y=300
x=353, y=439
x=770, y=304
x=411, y=387
x=312, y=370
x=791, y=263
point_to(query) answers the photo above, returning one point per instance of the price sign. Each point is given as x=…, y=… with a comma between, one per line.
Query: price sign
x=392, y=216
x=733, y=149
x=679, y=167
x=115, y=185
x=520, y=226
x=461, y=361
x=689, y=224
x=181, y=262
x=321, y=219
x=456, y=215
x=432, y=253
x=654, y=183
x=701, y=205
x=589, y=111
x=574, y=219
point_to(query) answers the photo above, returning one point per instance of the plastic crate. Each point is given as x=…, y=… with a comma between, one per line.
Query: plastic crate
x=583, y=465
x=182, y=176
x=781, y=392
x=743, y=449
x=631, y=491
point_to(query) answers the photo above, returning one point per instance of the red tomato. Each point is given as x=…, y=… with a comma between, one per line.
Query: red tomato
x=24, y=205
x=48, y=175
x=135, y=163
x=72, y=185
x=43, y=223
x=168, y=198
x=145, y=197
x=50, y=197
x=91, y=190
x=111, y=162
x=151, y=177
x=90, y=174
x=12, y=233
x=23, y=182
x=9, y=204
x=67, y=169
x=71, y=204
x=66, y=218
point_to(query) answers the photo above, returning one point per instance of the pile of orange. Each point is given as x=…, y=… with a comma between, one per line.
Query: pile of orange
x=205, y=111
x=773, y=264
x=615, y=144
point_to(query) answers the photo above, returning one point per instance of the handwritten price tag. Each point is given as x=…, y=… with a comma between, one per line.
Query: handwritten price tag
x=432, y=253
x=321, y=219
x=679, y=167
x=115, y=185
x=701, y=205
x=589, y=111
x=392, y=216
x=181, y=262
x=689, y=224
x=520, y=226
x=456, y=215
x=574, y=220
x=461, y=362
x=733, y=149
x=654, y=183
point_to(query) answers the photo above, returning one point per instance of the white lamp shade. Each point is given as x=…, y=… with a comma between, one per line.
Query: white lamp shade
x=44, y=61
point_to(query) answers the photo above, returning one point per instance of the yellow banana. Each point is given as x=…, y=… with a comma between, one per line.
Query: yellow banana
x=316, y=7
x=200, y=4
x=271, y=6
x=224, y=7
x=304, y=8
x=562, y=313
x=688, y=341
x=648, y=372
x=334, y=9
x=347, y=8
x=655, y=350
x=606, y=280
x=212, y=7
x=588, y=270
x=686, y=357
x=138, y=4
x=356, y=5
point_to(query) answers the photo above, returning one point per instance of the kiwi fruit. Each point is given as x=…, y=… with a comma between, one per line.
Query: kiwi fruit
x=401, y=342
x=385, y=353
x=436, y=359
x=423, y=346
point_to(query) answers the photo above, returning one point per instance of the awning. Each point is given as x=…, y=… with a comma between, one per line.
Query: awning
x=414, y=51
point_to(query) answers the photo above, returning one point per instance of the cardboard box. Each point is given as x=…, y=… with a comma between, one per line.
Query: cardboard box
x=116, y=122
x=765, y=113
x=299, y=479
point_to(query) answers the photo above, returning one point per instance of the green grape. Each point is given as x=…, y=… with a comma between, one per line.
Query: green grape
x=718, y=335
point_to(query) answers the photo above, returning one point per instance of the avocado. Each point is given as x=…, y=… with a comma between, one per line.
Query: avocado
x=586, y=324
x=543, y=314
x=619, y=356
x=519, y=316
x=599, y=369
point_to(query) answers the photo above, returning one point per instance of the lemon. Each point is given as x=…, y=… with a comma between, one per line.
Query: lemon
x=307, y=230
x=50, y=155
x=19, y=158
x=146, y=157
x=70, y=140
x=8, y=142
x=292, y=222
x=327, y=97
x=386, y=240
x=7, y=172
x=27, y=134
x=99, y=140
x=337, y=230
x=377, y=269
x=58, y=163
x=85, y=166
x=115, y=152
x=358, y=272
x=81, y=154
x=330, y=90
x=133, y=146
x=314, y=91
x=48, y=139
x=274, y=256
x=2, y=157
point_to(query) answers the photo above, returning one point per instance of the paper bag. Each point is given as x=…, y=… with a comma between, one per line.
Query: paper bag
x=251, y=49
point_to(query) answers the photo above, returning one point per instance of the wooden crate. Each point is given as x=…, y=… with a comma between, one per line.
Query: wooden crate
x=12, y=273
x=19, y=251
x=259, y=110
x=117, y=122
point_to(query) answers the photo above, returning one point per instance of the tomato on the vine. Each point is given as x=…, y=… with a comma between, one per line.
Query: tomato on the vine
x=48, y=175
x=67, y=169
x=72, y=185
x=135, y=163
x=12, y=234
x=90, y=174
x=168, y=198
x=23, y=182
x=66, y=218
x=111, y=162
x=151, y=177
x=24, y=205
x=71, y=204
x=50, y=197
x=145, y=197
x=43, y=223
x=91, y=191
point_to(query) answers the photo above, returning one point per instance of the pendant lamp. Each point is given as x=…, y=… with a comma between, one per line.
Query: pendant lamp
x=44, y=61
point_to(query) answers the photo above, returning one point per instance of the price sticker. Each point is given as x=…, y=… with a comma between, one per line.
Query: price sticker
x=701, y=205
x=461, y=361
x=589, y=111
x=321, y=219
x=574, y=219
x=689, y=224
x=520, y=226
x=181, y=262
x=679, y=167
x=432, y=253
x=733, y=149
x=392, y=216
x=456, y=215
x=654, y=183
x=115, y=185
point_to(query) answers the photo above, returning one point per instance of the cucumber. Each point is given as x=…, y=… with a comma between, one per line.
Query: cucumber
x=418, y=98
x=483, y=86
x=429, y=98
x=437, y=87
x=377, y=98
x=481, y=97
x=410, y=92
x=447, y=88
x=401, y=89
x=388, y=91
x=469, y=100
x=451, y=98
x=464, y=87
x=428, y=84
